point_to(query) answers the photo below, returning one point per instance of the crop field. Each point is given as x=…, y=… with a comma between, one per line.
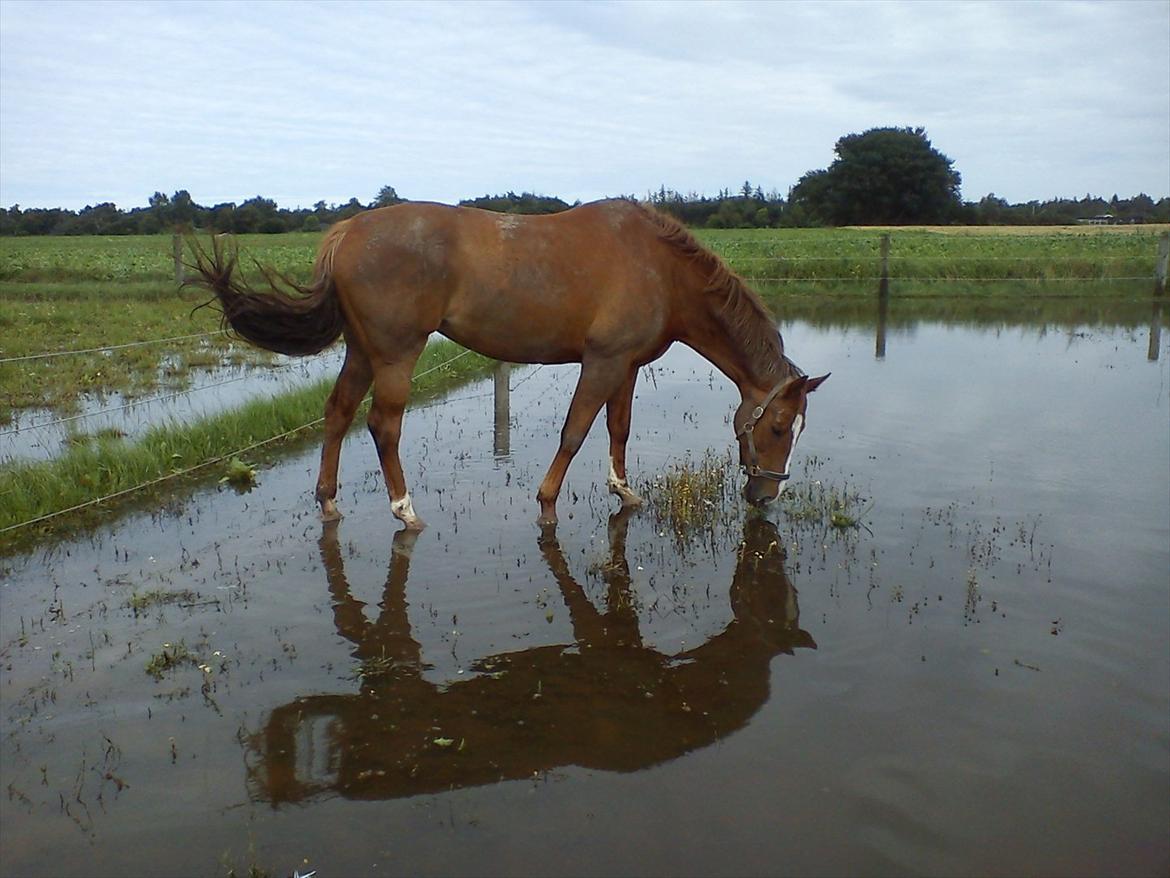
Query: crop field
x=1068, y=261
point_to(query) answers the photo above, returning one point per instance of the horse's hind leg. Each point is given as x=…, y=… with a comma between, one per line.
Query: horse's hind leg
x=617, y=417
x=351, y=386
x=391, y=389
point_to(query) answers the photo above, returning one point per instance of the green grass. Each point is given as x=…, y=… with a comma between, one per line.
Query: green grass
x=69, y=293
x=688, y=498
x=29, y=327
x=955, y=261
x=107, y=466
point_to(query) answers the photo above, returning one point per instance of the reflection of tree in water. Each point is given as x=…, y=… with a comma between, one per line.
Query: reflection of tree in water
x=605, y=701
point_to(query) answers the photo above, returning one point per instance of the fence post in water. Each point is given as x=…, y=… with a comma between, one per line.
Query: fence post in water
x=1161, y=265
x=1155, y=347
x=177, y=249
x=501, y=444
x=884, y=284
x=879, y=348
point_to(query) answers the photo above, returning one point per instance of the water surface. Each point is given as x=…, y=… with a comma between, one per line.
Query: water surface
x=977, y=681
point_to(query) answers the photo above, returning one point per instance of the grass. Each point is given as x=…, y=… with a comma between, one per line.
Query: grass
x=977, y=261
x=692, y=495
x=813, y=504
x=142, y=601
x=108, y=466
x=63, y=293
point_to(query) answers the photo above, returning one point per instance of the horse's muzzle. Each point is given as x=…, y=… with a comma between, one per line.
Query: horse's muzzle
x=762, y=490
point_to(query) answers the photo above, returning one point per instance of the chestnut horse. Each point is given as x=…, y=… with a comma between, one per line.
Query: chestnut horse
x=610, y=285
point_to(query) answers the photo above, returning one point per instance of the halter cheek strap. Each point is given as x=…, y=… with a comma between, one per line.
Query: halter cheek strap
x=752, y=468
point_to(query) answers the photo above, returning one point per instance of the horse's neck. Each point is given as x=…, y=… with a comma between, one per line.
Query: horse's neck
x=708, y=335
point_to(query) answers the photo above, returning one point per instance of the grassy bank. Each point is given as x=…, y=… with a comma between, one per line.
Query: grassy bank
x=171, y=459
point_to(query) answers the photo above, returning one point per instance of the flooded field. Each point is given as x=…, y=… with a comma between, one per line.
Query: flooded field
x=966, y=672
x=42, y=434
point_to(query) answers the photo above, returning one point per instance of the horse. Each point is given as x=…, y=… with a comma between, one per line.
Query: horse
x=610, y=285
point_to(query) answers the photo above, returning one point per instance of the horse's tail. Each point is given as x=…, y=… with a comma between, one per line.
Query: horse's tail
x=286, y=318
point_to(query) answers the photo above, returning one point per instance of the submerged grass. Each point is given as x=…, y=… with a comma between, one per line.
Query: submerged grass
x=817, y=505
x=174, y=455
x=691, y=496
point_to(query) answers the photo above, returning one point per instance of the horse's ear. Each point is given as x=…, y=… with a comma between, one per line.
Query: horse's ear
x=794, y=387
x=814, y=383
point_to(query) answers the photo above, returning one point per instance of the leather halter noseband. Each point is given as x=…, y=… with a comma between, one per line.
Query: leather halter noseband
x=752, y=468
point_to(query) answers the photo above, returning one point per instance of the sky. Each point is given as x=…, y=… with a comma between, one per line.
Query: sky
x=304, y=102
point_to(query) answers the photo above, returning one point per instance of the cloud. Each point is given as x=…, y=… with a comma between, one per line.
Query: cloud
x=306, y=101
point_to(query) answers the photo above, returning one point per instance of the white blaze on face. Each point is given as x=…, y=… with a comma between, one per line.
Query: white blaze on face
x=797, y=427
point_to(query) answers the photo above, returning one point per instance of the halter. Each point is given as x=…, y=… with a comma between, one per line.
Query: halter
x=752, y=469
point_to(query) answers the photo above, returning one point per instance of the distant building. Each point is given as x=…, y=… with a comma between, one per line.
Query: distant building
x=1101, y=219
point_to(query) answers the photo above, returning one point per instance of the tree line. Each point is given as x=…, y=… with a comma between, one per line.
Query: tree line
x=884, y=176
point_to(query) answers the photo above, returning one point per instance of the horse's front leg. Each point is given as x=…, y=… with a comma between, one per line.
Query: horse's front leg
x=391, y=389
x=617, y=416
x=598, y=381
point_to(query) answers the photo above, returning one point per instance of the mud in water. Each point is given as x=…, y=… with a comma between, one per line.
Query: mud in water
x=965, y=671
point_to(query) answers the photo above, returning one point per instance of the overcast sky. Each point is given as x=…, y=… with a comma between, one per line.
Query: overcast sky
x=325, y=101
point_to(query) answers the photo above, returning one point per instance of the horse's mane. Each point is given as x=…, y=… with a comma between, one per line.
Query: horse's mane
x=743, y=313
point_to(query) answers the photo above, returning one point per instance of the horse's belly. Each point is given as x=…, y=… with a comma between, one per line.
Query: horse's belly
x=515, y=338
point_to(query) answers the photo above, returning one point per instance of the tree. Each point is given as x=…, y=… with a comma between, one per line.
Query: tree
x=386, y=197
x=884, y=176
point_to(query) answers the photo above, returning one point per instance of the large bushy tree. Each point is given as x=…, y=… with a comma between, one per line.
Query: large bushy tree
x=884, y=176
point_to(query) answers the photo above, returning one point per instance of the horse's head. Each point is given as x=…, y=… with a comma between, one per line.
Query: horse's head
x=767, y=426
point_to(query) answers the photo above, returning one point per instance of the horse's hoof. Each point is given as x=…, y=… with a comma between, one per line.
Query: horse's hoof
x=625, y=493
x=548, y=515
x=330, y=512
x=404, y=511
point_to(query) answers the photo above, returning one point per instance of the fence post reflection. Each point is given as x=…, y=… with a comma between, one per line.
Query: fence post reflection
x=1155, y=347
x=501, y=444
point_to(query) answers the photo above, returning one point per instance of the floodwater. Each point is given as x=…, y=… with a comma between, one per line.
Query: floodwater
x=975, y=680
x=42, y=434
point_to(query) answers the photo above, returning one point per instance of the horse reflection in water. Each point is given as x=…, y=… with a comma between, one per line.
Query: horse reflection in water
x=607, y=701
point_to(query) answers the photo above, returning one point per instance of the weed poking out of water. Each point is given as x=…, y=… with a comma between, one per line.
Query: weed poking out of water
x=240, y=475
x=692, y=495
x=816, y=503
x=171, y=656
x=142, y=601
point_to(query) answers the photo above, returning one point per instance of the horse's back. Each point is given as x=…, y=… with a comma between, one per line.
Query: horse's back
x=521, y=288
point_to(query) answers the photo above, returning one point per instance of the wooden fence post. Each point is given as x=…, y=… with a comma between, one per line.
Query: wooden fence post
x=501, y=443
x=884, y=285
x=1161, y=265
x=177, y=249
